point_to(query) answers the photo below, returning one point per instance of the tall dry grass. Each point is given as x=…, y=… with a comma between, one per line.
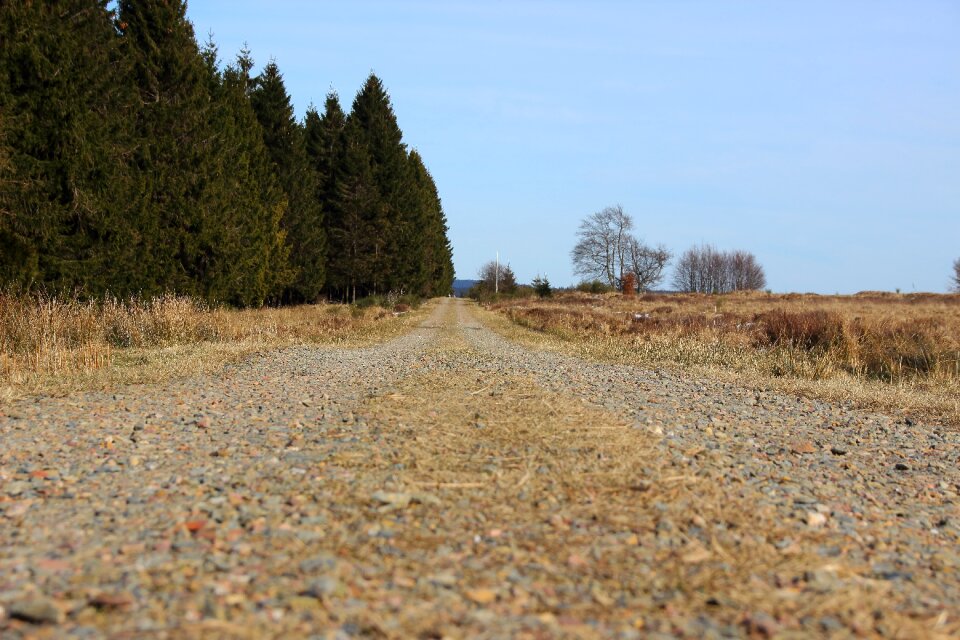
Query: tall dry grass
x=43, y=336
x=910, y=340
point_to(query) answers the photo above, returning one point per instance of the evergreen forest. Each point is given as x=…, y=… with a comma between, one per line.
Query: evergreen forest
x=133, y=162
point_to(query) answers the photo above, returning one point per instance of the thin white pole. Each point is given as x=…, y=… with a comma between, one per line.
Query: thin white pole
x=496, y=278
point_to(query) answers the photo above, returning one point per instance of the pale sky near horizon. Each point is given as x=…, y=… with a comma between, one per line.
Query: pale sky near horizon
x=823, y=136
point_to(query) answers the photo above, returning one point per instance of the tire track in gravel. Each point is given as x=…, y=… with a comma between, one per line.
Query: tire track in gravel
x=100, y=491
x=452, y=484
x=878, y=496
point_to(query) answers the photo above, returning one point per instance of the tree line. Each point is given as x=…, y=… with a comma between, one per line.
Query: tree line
x=608, y=253
x=132, y=162
x=705, y=269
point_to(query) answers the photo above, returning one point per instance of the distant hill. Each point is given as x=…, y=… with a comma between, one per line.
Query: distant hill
x=460, y=287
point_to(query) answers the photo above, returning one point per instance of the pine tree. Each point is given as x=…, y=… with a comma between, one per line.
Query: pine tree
x=243, y=248
x=356, y=254
x=64, y=106
x=434, y=275
x=326, y=148
x=541, y=286
x=18, y=260
x=390, y=195
x=373, y=126
x=325, y=144
x=303, y=221
x=173, y=157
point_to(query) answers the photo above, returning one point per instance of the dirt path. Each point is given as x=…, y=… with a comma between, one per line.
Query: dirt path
x=452, y=484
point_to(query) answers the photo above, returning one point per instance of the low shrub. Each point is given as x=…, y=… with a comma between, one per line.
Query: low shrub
x=594, y=286
x=807, y=330
x=894, y=350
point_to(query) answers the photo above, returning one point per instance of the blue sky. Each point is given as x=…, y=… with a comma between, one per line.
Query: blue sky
x=824, y=137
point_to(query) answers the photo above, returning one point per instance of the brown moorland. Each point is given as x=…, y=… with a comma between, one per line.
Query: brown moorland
x=898, y=352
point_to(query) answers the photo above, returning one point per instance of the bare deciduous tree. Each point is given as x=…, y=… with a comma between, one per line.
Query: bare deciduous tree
x=686, y=275
x=494, y=277
x=600, y=251
x=647, y=263
x=607, y=250
x=746, y=274
x=706, y=270
x=956, y=275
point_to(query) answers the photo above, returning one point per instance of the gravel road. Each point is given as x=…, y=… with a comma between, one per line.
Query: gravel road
x=452, y=484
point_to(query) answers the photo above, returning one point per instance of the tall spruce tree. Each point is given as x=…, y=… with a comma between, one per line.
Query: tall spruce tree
x=173, y=156
x=324, y=136
x=326, y=148
x=435, y=274
x=373, y=126
x=243, y=250
x=421, y=213
x=386, y=201
x=18, y=259
x=356, y=240
x=303, y=221
x=64, y=107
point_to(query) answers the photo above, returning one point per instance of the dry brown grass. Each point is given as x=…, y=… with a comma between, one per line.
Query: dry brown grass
x=55, y=345
x=560, y=482
x=891, y=351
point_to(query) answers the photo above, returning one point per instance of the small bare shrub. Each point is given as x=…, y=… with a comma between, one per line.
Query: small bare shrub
x=807, y=330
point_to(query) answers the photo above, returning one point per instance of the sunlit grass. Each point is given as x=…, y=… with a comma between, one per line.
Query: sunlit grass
x=898, y=351
x=52, y=344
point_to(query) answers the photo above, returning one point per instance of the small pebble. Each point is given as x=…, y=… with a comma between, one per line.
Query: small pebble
x=37, y=610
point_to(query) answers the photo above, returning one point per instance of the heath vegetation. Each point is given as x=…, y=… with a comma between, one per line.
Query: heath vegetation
x=898, y=351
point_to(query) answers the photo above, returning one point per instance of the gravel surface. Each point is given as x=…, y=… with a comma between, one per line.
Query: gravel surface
x=451, y=484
